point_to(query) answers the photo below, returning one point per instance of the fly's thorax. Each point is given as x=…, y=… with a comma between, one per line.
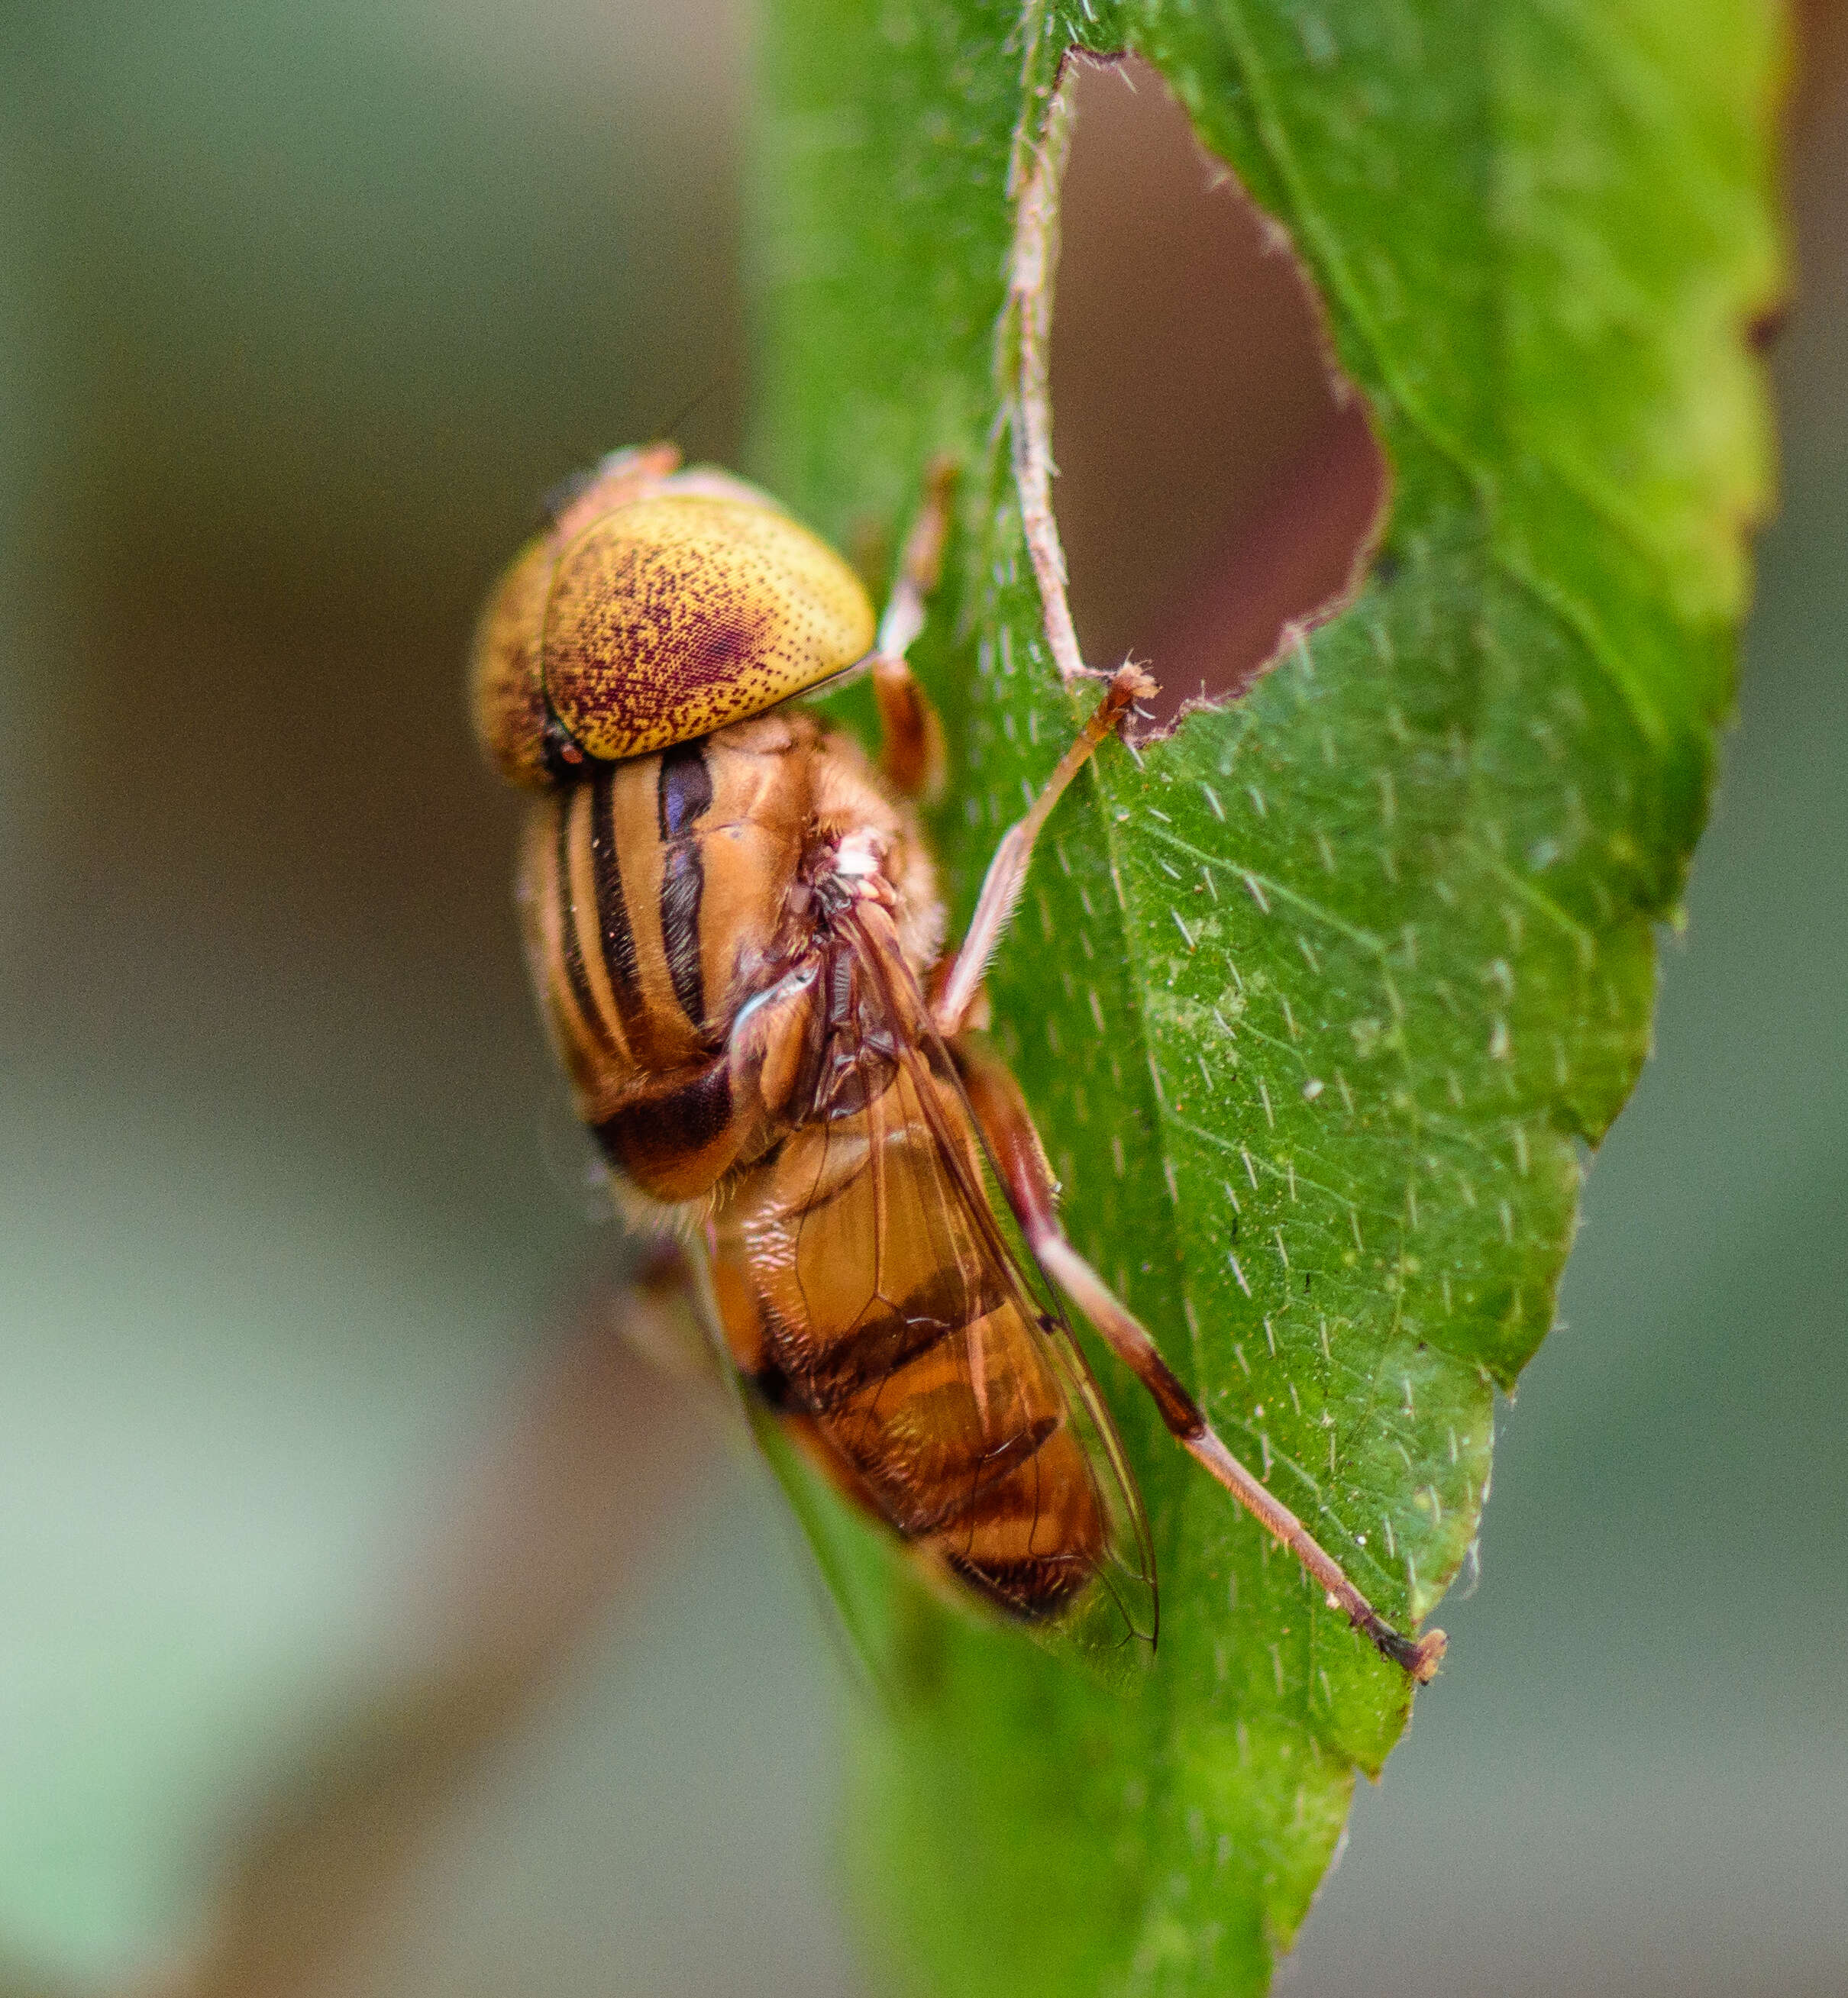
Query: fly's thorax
x=655, y=891
x=683, y=912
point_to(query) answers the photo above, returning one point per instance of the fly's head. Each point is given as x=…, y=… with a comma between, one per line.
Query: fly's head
x=659, y=606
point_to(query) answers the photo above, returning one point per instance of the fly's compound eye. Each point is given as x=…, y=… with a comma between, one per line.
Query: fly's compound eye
x=656, y=621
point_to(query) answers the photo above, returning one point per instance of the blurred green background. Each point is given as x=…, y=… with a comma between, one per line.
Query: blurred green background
x=300, y=309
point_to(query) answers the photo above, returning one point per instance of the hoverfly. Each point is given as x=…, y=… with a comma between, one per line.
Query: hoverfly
x=732, y=921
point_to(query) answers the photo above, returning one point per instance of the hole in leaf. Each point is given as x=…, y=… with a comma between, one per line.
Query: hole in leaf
x=1219, y=482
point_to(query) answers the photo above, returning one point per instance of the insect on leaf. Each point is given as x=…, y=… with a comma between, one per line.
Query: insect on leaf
x=1318, y=1003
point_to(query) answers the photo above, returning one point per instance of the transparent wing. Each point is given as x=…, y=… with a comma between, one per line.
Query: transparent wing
x=1124, y=1604
x=874, y=1300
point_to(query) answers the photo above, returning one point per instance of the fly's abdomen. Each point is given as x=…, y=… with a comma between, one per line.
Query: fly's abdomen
x=863, y=1301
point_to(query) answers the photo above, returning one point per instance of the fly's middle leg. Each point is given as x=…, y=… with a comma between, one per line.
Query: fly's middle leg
x=960, y=978
x=911, y=754
x=1031, y=1193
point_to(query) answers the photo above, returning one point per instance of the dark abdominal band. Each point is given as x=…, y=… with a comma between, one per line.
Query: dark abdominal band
x=684, y=793
x=612, y=907
x=569, y=948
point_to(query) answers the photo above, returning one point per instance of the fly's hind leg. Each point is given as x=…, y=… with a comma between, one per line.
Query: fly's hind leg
x=911, y=754
x=1031, y=1193
x=959, y=979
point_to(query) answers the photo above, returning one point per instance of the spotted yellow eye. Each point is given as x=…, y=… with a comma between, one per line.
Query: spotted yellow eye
x=657, y=619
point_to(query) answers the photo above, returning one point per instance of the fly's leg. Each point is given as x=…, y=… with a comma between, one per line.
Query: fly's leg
x=912, y=755
x=956, y=983
x=1031, y=1193
x=661, y=1313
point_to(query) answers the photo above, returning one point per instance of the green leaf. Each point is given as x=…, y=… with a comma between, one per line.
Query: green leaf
x=1320, y=1004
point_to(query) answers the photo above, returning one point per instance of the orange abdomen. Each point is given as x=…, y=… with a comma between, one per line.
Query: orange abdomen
x=859, y=1301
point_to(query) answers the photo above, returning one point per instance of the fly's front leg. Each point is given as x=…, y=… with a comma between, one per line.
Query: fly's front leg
x=911, y=754
x=660, y=1311
x=1031, y=1193
x=957, y=982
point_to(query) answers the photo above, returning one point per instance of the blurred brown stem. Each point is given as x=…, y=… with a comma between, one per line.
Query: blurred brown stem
x=558, y=1521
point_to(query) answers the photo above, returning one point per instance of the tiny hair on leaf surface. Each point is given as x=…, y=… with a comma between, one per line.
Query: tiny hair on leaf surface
x=1318, y=1002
